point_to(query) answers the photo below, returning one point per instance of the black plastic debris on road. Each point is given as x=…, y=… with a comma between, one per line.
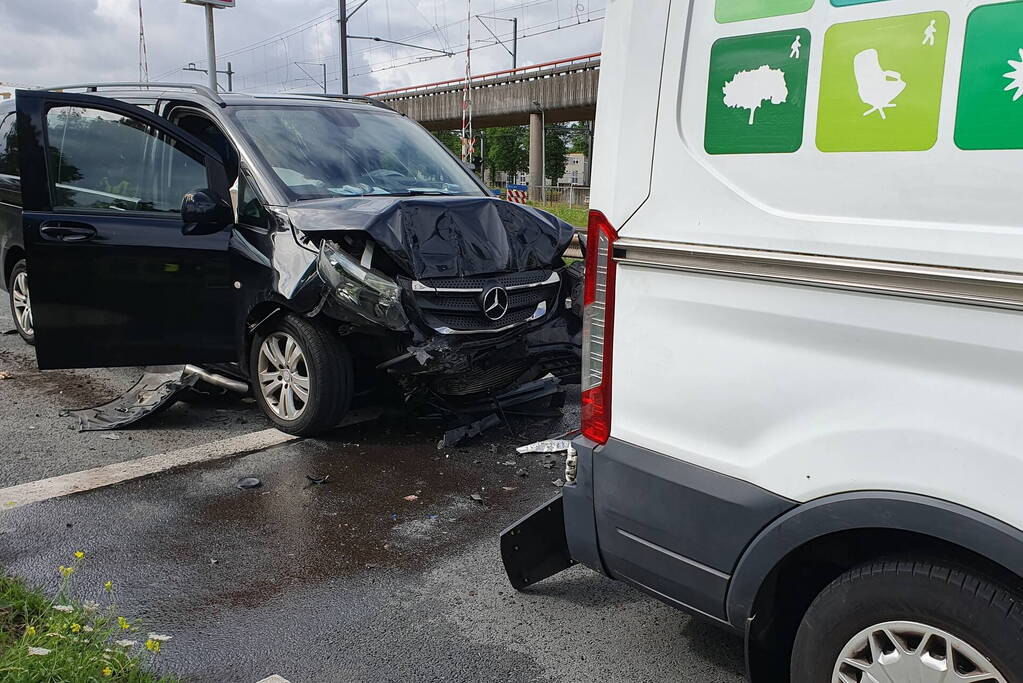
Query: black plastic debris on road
x=248, y=483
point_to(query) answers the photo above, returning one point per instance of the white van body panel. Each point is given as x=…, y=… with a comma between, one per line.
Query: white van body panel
x=632, y=55
x=943, y=206
x=810, y=391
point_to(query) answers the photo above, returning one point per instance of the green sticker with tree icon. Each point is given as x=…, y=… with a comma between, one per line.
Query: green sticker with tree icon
x=881, y=84
x=756, y=95
x=990, y=112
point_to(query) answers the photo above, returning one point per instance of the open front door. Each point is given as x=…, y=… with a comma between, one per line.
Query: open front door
x=115, y=279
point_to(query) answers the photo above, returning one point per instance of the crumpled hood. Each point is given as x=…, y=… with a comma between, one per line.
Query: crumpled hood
x=444, y=236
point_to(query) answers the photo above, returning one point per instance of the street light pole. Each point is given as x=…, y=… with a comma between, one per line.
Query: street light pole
x=343, y=39
x=211, y=48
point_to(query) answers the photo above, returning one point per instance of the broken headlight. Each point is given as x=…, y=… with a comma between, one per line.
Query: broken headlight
x=363, y=291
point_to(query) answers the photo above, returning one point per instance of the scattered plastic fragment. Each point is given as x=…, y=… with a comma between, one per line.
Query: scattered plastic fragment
x=411, y=498
x=548, y=446
x=477, y=497
x=249, y=483
x=316, y=481
x=5, y=375
x=110, y=437
x=521, y=473
x=559, y=482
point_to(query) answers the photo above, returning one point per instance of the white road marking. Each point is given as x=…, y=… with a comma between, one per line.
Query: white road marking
x=87, y=480
x=274, y=679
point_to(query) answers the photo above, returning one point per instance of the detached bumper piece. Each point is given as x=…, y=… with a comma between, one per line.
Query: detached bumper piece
x=535, y=547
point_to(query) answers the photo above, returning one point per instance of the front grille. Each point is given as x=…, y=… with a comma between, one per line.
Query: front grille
x=497, y=377
x=461, y=311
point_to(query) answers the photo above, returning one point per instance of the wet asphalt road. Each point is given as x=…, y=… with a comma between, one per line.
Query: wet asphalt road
x=345, y=581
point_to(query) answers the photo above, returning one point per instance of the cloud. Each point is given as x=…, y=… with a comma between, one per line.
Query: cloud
x=46, y=42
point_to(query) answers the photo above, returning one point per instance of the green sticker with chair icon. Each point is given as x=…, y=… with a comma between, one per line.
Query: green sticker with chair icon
x=881, y=84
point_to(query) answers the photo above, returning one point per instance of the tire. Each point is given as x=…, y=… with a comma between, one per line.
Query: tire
x=326, y=367
x=20, y=272
x=967, y=613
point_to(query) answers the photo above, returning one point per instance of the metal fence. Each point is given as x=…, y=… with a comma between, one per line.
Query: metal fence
x=572, y=196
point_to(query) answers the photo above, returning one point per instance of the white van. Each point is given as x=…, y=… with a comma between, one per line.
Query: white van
x=803, y=360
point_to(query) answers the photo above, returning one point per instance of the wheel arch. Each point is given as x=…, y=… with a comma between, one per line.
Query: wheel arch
x=802, y=551
x=13, y=255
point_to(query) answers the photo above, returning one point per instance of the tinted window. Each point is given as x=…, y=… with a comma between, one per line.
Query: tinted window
x=320, y=152
x=104, y=161
x=8, y=145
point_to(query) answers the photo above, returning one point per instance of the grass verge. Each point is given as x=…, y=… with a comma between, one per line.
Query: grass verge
x=571, y=215
x=51, y=641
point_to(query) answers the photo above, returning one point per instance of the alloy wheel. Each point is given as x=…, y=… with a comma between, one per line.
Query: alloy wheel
x=22, y=301
x=909, y=652
x=283, y=376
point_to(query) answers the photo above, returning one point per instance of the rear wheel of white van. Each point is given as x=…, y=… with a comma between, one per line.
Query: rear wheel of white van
x=21, y=302
x=301, y=375
x=909, y=621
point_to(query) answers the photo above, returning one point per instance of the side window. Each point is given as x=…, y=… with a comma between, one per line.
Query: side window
x=8, y=145
x=250, y=205
x=99, y=160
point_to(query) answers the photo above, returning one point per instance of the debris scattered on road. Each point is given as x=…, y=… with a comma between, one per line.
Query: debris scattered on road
x=509, y=488
x=110, y=437
x=412, y=498
x=549, y=461
x=316, y=481
x=5, y=375
x=7, y=333
x=455, y=436
x=559, y=482
x=157, y=387
x=159, y=637
x=509, y=463
x=521, y=473
x=477, y=497
x=548, y=446
x=249, y=483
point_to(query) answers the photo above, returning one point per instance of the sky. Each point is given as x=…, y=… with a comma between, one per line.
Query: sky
x=278, y=45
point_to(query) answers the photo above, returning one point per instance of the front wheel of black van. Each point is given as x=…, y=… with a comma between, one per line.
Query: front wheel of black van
x=21, y=302
x=911, y=620
x=301, y=376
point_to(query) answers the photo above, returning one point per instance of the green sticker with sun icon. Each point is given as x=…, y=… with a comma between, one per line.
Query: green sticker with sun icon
x=990, y=112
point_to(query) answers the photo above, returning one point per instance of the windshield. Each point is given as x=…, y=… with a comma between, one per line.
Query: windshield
x=319, y=152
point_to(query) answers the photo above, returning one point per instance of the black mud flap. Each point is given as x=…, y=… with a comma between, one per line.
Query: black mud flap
x=535, y=547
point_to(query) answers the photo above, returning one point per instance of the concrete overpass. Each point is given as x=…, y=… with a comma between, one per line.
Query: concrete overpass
x=551, y=92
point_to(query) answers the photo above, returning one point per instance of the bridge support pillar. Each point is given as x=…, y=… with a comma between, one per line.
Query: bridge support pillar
x=536, y=157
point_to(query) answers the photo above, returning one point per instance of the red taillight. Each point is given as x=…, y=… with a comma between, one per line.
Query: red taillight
x=598, y=326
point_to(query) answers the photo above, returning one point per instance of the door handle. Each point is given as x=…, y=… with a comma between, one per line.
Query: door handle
x=58, y=231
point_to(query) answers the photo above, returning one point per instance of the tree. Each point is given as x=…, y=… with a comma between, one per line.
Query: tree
x=750, y=89
x=555, y=154
x=579, y=138
x=507, y=150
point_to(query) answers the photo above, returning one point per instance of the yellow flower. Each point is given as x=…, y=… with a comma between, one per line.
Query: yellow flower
x=153, y=646
x=123, y=623
x=66, y=571
x=30, y=630
x=79, y=554
x=76, y=627
x=108, y=672
x=108, y=586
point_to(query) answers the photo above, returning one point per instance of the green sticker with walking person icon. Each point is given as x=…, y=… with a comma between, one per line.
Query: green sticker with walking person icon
x=756, y=95
x=881, y=84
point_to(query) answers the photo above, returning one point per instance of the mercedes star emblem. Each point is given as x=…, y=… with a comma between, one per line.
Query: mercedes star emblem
x=495, y=303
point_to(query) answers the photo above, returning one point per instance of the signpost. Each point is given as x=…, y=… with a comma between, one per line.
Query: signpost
x=211, y=42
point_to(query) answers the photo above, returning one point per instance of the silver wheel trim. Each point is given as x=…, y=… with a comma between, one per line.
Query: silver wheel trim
x=22, y=301
x=283, y=376
x=909, y=652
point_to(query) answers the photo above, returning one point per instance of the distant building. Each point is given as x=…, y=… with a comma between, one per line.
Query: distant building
x=5, y=95
x=575, y=170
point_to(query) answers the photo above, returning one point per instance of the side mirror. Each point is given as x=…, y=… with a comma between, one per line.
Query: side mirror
x=204, y=212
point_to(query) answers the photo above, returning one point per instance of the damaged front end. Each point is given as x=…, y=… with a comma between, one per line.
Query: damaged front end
x=459, y=299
